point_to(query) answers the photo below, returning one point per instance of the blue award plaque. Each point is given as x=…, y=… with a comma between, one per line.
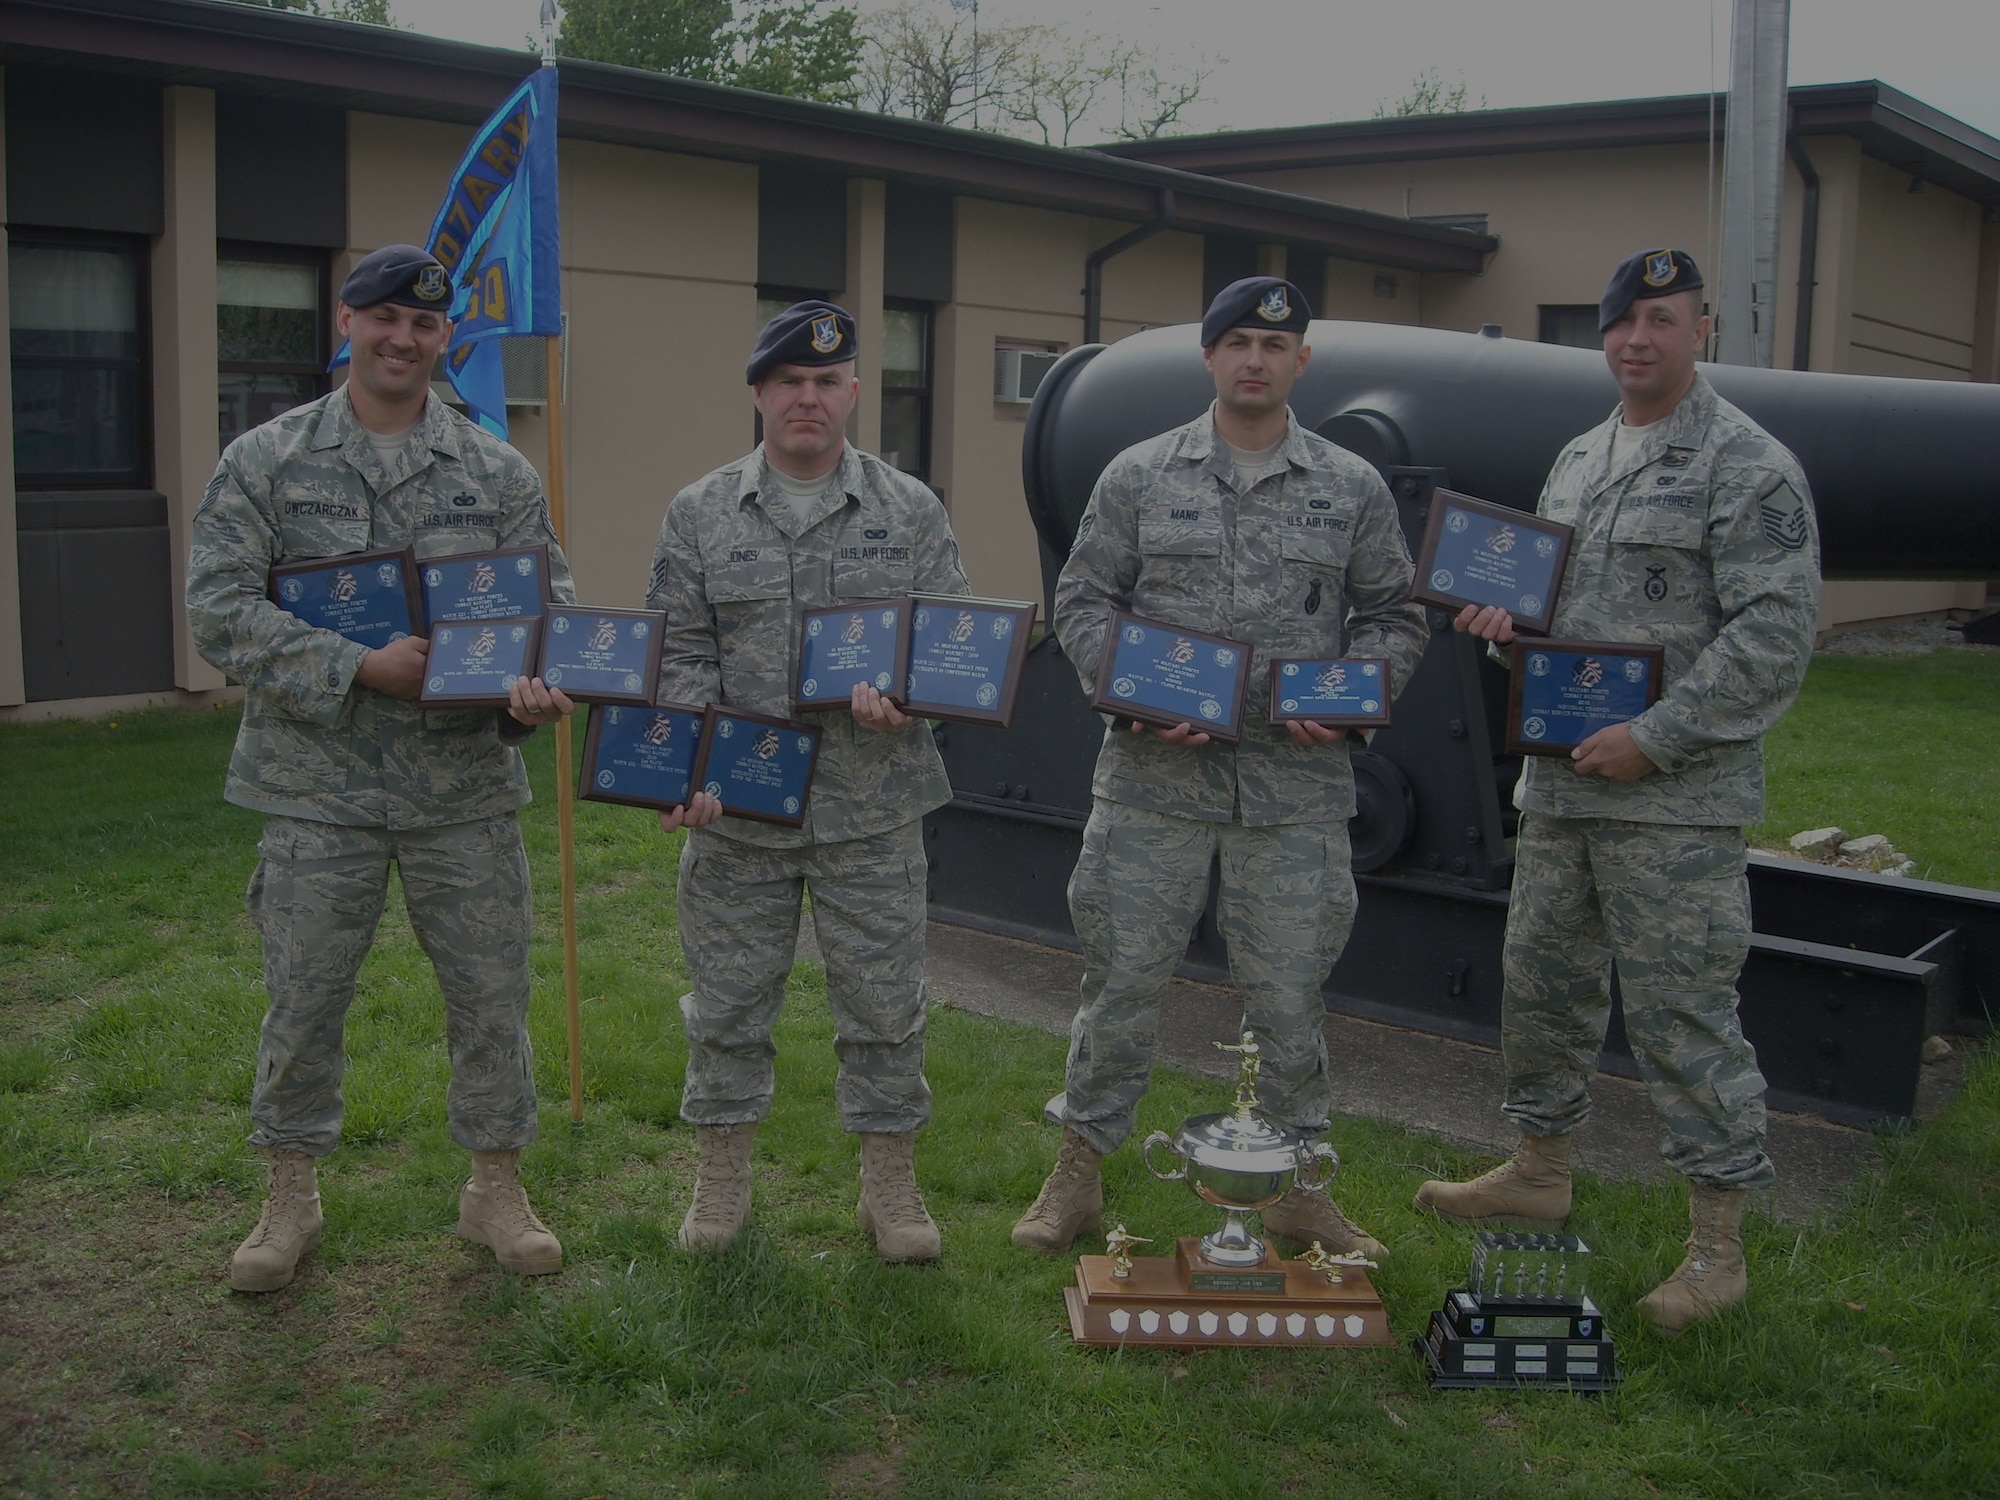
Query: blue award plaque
x=474, y=662
x=757, y=766
x=1335, y=691
x=1560, y=693
x=486, y=585
x=1168, y=675
x=642, y=757
x=965, y=657
x=841, y=645
x=601, y=655
x=369, y=597
x=1475, y=552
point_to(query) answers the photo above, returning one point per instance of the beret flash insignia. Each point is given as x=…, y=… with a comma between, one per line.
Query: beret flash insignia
x=825, y=334
x=1274, y=306
x=431, y=284
x=1659, y=268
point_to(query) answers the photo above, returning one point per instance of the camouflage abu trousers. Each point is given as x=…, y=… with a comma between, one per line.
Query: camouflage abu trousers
x=1672, y=905
x=1286, y=907
x=739, y=923
x=317, y=894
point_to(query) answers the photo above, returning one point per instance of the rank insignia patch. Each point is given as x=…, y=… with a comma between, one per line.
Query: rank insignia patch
x=1784, y=516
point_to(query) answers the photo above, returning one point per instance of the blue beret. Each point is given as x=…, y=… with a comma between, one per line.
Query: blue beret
x=1650, y=273
x=403, y=274
x=806, y=333
x=1255, y=302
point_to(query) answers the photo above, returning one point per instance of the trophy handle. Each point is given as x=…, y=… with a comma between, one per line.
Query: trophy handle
x=1323, y=1162
x=1161, y=1138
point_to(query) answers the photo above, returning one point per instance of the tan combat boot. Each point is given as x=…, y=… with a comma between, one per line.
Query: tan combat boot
x=1304, y=1217
x=721, y=1208
x=891, y=1208
x=1712, y=1276
x=288, y=1227
x=1071, y=1201
x=1529, y=1190
x=493, y=1211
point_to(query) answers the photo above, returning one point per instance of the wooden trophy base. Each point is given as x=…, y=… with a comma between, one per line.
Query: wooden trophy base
x=1187, y=1302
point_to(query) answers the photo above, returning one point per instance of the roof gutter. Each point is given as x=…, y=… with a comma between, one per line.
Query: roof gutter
x=1093, y=265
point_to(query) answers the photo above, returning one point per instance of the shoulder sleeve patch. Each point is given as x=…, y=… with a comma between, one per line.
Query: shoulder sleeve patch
x=1784, y=516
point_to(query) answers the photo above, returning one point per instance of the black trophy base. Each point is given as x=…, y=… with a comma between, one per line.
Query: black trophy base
x=1479, y=1343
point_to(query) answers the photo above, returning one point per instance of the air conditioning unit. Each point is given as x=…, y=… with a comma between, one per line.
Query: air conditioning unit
x=1018, y=373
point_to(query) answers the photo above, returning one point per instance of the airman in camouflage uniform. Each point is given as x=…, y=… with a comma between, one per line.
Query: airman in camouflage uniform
x=1695, y=532
x=355, y=776
x=740, y=557
x=1296, y=550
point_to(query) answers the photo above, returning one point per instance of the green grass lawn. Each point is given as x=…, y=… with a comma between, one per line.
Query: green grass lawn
x=402, y=1363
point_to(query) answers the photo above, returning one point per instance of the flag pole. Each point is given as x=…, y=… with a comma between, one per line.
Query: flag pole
x=565, y=788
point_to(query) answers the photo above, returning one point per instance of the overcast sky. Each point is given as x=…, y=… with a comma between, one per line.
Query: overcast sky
x=1293, y=62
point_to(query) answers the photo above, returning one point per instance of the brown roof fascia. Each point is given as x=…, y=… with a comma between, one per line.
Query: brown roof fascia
x=1891, y=125
x=210, y=42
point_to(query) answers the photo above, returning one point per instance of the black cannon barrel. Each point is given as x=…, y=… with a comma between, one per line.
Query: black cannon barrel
x=1905, y=473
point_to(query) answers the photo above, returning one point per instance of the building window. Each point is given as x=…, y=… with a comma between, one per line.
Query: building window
x=270, y=336
x=1573, y=324
x=906, y=388
x=78, y=353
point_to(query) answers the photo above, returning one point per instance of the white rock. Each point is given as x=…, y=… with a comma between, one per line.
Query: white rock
x=1903, y=866
x=1872, y=847
x=1818, y=840
x=1936, y=1049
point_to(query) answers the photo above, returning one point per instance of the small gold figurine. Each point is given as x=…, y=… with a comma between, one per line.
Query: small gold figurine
x=1246, y=1082
x=1321, y=1260
x=1119, y=1245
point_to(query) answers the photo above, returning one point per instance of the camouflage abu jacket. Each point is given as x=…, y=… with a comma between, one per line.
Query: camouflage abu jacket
x=1704, y=541
x=1310, y=561
x=733, y=576
x=313, y=743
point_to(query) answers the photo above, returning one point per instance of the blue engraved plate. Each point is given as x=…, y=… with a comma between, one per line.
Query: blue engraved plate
x=1348, y=689
x=1477, y=553
x=486, y=585
x=1565, y=691
x=364, y=598
x=964, y=655
x=601, y=655
x=644, y=756
x=758, y=768
x=476, y=661
x=841, y=646
x=1172, y=675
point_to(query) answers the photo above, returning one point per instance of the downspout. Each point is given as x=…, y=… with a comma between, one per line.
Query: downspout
x=1808, y=252
x=1093, y=266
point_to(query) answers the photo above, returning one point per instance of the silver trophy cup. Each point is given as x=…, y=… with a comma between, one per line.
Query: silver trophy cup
x=1241, y=1162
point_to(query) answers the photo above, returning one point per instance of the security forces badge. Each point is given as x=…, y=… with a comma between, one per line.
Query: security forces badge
x=432, y=285
x=825, y=334
x=1274, y=306
x=1659, y=268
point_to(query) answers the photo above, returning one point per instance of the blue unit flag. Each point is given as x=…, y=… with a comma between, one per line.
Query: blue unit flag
x=498, y=233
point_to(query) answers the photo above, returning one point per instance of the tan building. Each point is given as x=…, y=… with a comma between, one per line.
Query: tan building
x=186, y=182
x=1890, y=250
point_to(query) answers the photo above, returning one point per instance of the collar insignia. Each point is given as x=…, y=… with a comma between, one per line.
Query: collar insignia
x=825, y=334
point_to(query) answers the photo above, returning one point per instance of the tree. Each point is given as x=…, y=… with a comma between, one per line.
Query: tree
x=810, y=49
x=368, y=12
x=936, y=62
x=1428, y=96
x=688, y=38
